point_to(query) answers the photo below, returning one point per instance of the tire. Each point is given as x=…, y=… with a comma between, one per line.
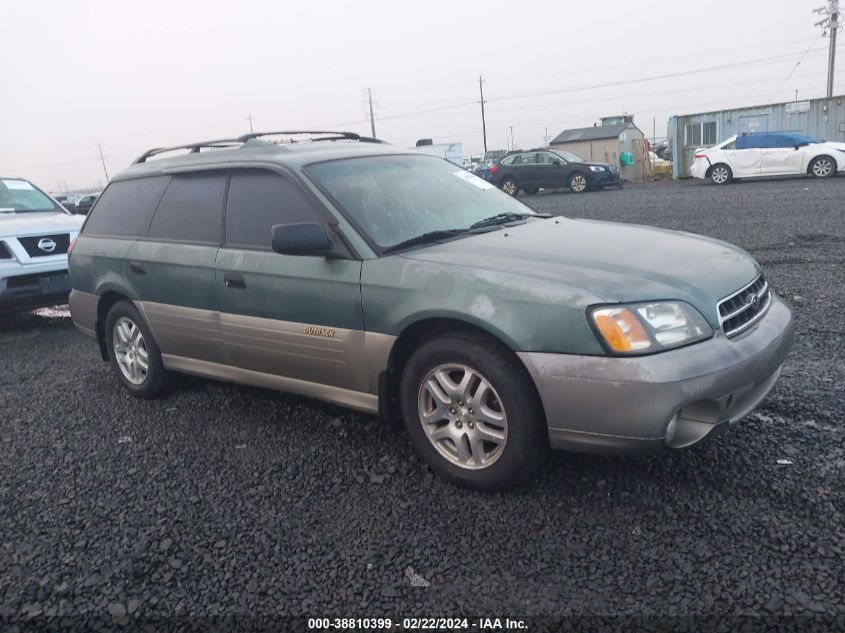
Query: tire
x=509, y=412
x=822, y=167
x=127, y=338
x=531, y=191
x=720, y=174
x=578, y=183
x=509, y=186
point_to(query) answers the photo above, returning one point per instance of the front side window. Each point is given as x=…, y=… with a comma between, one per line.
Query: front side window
x=125, y=208
x=191, y=209
x=21, y=197
x=257, y=201
x=395, y=198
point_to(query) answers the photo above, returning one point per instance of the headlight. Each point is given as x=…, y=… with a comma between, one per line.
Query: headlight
x=596, y=168
x=643, y=328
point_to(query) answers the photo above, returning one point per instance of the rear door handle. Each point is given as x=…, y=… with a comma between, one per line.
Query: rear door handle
x=137, y=268
x=234, y=280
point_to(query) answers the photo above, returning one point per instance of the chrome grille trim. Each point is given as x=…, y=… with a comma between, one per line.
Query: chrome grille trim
x=736, y=314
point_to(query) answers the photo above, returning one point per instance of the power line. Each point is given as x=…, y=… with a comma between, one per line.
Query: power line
x=627, y=82
x=794, y=68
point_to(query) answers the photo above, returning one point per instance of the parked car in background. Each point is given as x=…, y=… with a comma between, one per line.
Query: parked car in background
x=35, y=232
x=768, y=154
x=536, y=169
x=83, y=206
x=395, y=284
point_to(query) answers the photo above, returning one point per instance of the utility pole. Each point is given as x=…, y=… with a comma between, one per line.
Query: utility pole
x=830, y=25
x=483, y=120
x=512, y=147
x=796, y=95
x=372, y=116
x=249, y=116
x=103, y=160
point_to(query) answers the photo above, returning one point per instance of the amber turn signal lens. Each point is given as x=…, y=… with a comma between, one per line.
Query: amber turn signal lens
x=621, y=330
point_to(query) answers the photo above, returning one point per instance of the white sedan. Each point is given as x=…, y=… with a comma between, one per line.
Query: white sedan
x=768, y=154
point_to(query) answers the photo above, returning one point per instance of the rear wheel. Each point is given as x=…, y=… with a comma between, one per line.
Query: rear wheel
x=822, y=167
x=472, y=412
x=578, y=183
x=720, y=174
x=509, y=186
x=134, y=355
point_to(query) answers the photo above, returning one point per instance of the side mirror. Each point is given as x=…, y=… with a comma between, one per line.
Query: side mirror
x=305, y=238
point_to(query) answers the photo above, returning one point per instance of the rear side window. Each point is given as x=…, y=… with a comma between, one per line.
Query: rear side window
x=507, y=160
x=125, y=208
x=257, y=201
x=191, y=210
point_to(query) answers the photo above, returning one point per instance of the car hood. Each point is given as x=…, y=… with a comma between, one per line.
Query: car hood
x=608, y=262
x=835, y=145
x=21, y=224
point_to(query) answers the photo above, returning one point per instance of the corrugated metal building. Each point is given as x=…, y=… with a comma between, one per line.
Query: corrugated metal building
x=822, y=118
x=605, y=143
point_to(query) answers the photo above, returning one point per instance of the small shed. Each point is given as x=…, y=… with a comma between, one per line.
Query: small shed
x=605, y=143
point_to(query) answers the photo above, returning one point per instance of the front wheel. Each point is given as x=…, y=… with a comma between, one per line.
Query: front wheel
x=472, y=412
x=720, y=174
x=578, y=183
x=509, y=186
x=822, y=167
x=133, y=354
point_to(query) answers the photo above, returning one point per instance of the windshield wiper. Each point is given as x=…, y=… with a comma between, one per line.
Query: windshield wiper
x=504, y=218
x=425, y=238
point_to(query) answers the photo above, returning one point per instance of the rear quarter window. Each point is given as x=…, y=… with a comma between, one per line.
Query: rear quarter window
x=125, y=208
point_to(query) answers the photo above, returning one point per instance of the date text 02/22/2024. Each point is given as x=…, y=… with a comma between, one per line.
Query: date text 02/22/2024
x=417, y=624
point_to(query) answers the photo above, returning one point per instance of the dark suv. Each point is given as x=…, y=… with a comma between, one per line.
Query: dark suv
x=551, y=169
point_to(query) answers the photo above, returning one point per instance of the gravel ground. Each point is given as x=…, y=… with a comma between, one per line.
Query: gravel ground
x=220, y=500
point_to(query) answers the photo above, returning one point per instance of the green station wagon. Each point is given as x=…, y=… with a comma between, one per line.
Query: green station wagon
x=398, y=284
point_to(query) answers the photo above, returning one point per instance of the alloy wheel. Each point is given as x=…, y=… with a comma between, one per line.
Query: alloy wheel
x=463, y=416
x=579, y=183
x=822, y=168
x=509, y=187
x=130, y=351
x=719, y=175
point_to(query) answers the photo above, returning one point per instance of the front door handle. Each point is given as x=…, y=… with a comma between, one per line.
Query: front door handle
x=234, y=280
x=137, y=268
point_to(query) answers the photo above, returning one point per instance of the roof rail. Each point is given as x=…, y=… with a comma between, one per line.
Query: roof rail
x=194, y=147
x=223, y=143
x=330, y=135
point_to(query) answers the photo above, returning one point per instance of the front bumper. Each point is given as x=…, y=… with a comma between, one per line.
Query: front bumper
x=33, y=286
x=671, y=399
x=603, y=178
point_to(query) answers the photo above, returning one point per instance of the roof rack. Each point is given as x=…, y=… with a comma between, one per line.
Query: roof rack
x=194, y=147
x=328, y=135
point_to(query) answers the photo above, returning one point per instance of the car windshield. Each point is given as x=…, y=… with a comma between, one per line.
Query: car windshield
x=398, y=198
x=19, y=196
x=569, y=157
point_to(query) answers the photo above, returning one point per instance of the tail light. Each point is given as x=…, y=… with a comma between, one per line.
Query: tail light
x=494, y=169
x=700, y=155
x=70, y=246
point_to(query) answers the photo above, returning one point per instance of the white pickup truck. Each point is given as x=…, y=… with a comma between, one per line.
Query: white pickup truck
x=35, y=234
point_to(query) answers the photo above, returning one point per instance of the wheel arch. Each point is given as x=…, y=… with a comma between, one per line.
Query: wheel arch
x=414, y=334
x=833, y=158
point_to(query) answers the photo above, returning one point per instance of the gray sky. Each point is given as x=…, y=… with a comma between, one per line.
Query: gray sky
x=135, y=75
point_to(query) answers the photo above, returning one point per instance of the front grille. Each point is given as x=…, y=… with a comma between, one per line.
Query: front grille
x=744, y=308
x=30, y=244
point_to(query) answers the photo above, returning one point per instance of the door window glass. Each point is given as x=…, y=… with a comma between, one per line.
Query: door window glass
x=191, y=209
x=526, y=159
x=257, y=201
